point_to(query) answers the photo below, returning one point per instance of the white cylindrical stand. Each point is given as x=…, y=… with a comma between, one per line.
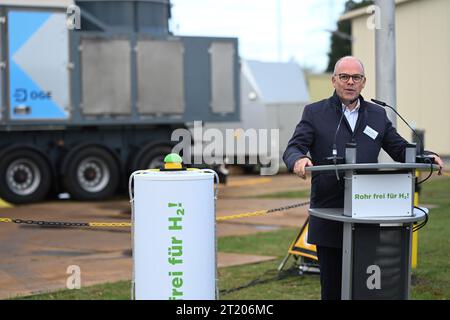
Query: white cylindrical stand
x=174, y=245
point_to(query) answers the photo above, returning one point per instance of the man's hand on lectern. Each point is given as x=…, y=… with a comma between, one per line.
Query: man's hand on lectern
x=300, y=165
x=439, y=162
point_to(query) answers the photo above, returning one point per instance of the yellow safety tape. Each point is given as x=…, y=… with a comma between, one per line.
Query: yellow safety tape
x=128, y=224
x=109, y=224
x=243, y=215
x=4, y=204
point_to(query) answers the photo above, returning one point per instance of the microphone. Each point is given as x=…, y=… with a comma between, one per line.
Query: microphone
x=421, y=157
x=334, y=158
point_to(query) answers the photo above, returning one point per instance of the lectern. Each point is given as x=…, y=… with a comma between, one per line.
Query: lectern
x=378, y=218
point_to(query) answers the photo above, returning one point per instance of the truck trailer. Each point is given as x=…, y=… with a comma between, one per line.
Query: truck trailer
x=91, y=91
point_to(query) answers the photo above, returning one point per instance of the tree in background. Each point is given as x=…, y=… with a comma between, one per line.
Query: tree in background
x=341, y=43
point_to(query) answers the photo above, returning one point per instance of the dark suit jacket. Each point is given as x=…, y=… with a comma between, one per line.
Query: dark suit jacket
x=315, y=133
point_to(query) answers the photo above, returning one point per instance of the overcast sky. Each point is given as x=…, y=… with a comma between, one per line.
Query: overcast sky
x=255, y=22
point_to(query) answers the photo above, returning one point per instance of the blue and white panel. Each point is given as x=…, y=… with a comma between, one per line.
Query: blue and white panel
x=38, y=60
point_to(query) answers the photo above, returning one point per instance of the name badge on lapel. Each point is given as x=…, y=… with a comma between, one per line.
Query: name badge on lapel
x=370, y=132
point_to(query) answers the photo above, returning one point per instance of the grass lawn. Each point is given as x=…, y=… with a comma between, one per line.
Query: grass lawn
x=431, y=279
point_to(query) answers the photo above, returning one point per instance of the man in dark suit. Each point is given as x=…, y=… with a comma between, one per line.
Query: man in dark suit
x=362, y=122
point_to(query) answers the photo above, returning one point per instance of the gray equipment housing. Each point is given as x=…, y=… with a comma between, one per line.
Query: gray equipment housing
x=122, y=84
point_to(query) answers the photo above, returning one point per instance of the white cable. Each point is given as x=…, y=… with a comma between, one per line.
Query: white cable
x=130, y=193
x=216, y=197
x=216, y=187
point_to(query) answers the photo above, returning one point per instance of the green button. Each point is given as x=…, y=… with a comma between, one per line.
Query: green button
x=173, y=158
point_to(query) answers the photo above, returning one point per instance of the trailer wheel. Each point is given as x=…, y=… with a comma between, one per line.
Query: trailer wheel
x=92, y=174
x=152, y=158
x=25, y=176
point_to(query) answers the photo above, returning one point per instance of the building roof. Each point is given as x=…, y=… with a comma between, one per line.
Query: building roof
x=38, y=3
x=364, y=11
x=157, y=1
x=277, y=82
x=59, y=3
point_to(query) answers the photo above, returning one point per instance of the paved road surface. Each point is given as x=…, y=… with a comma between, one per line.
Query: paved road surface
x=35, y=259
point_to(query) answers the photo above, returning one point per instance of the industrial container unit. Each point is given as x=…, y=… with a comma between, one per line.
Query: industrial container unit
x=83, y=108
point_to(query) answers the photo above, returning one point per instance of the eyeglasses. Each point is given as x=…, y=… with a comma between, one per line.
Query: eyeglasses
x=345, y=77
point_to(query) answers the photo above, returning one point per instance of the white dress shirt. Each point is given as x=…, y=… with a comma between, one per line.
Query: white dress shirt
x=352, y=116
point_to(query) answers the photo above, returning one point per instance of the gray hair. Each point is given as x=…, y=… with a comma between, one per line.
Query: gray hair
x=348, y=58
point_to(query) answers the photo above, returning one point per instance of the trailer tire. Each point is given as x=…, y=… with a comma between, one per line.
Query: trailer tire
x=25, y=176
x=152, y=157
x=92, y=174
